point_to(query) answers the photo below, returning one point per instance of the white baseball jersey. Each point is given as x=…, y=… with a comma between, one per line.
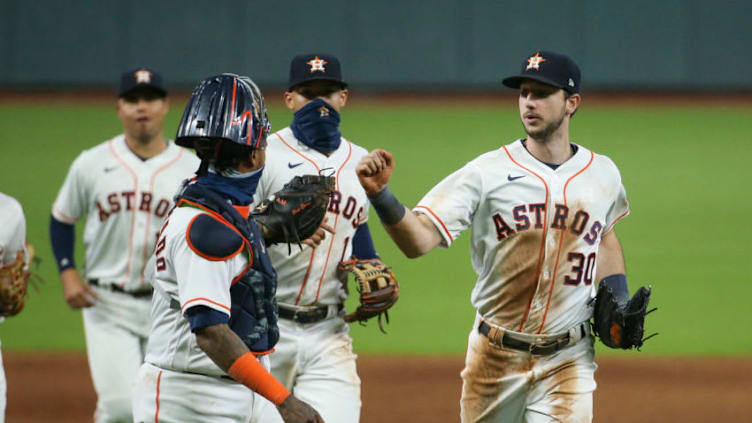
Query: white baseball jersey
x=308, y=277
x=12, y=240
x=126, y=200
x=183, y=277
x=535, y=232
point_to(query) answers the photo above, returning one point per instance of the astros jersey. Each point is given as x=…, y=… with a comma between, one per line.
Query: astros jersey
x=535, y=234
x=126, y=200
x=309, y=277
x=184, y=279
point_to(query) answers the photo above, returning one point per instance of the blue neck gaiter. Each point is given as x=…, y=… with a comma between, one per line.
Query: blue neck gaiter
x=238, y=187
x=317, y=126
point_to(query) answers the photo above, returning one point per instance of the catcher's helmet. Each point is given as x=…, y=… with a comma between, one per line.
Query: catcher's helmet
x=225, y=107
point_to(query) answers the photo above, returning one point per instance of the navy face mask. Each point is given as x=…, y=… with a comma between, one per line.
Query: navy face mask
x=317, y=126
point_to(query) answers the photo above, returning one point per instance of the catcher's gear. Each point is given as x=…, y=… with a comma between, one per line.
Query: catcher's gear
x=228, y=107
x=621, y=326
x=293, y=213
x=378, y=289
x=14, y=278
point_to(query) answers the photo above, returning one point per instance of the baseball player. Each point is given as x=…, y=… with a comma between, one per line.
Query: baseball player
x=125, y=187
x=12, y=253
x=542, y=211
x=214, y=314
x=314, y=356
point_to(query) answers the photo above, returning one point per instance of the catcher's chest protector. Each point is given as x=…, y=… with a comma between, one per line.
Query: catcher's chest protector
x=254, y=310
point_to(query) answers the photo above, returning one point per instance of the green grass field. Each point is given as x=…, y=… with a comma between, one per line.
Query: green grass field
x=685, y=169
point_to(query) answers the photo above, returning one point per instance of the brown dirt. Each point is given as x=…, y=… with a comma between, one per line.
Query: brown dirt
x=56, y=387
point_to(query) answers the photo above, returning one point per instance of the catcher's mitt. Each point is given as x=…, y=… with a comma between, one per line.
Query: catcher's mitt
x=293, y=213
x=13, y=281
x=377, y=286
x=621, y=325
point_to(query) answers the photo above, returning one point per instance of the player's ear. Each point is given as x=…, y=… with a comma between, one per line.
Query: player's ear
x=287, y=96
x=257, y=157
x=343, y=96
x=573, y=103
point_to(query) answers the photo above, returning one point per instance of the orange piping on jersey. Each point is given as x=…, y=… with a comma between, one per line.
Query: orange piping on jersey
x=561, y=242
x=621, y=216
x=148, y=215
x=543, y=239
x=336, y=218
x=133, y=211
x=305, y=278
x=301, y=154
x=435, y=216
x=207, y=300
x=65, y=217
x=201, y=254
x=156, y=413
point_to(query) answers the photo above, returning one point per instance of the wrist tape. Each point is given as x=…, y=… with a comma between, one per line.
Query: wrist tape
x=248, y=371
x=389, y=209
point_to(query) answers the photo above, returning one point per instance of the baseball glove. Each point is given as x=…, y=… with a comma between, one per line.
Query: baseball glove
x=378, y=289
x=13, y=282
x=293, y=213
x=621, y=325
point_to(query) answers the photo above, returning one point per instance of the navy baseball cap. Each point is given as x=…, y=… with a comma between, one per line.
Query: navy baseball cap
x=312, y=67
x=141, y=78
x=549, y=68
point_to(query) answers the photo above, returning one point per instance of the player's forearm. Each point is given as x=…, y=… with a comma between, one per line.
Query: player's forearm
x=221, y=344
x=414, y=234
x=229, y=352
x=62, y=237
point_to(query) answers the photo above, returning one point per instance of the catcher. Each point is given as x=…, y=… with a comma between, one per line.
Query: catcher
x=15, y=257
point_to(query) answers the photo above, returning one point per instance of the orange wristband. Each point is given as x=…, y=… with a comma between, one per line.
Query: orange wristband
x=248, y=371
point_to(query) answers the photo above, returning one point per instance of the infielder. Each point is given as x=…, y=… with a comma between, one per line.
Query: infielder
x=314, y=356
x=124, y=186
x=214, y=315
x=542, y=212
x=14, y=262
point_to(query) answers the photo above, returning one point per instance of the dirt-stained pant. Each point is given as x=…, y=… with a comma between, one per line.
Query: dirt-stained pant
x=511, y=386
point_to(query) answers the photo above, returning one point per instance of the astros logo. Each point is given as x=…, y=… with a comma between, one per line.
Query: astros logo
x=143, y=76
x=323, y=111
x=317, y=64
x=534, y=62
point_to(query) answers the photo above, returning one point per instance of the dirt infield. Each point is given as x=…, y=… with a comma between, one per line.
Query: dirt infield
x=55, y=387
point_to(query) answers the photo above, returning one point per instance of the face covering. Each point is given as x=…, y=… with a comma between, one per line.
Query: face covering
x=317, y=126
x=238, y=187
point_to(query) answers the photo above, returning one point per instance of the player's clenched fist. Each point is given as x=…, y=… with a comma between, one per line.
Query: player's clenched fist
x=374, y=170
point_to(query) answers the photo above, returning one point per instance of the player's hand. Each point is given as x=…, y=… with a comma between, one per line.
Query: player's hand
x=294, y=410
x=319, y=235
x=77, y=293
x=374, y=170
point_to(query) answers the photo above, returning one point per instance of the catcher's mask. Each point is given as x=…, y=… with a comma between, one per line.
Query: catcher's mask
x=225, y=107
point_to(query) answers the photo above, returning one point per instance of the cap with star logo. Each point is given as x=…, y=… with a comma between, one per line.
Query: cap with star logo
x=549, y=68
x=311, y=67
x=141, y=78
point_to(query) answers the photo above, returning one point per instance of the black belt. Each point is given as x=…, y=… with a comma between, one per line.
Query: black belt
x=116, y=288
x=546, y=348
x=307, y=316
